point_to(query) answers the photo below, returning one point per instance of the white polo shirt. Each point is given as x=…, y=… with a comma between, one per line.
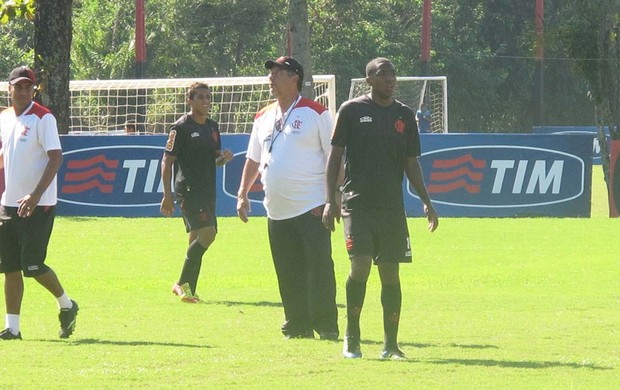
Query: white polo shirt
x=26, y=139
x=292, y=161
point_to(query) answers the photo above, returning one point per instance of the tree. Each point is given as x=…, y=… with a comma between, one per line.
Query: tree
x=592, y=35
x=52, y=43
x=299, y=40
x=52, y=47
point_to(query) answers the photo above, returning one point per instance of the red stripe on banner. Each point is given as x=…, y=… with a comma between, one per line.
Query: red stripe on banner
x=80, y=176
x=451, y=175
x=467, y=158
x=80, y=164
x=449, y=187
x=77, y=188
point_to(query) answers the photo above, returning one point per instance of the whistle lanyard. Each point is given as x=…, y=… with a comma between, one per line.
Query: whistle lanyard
x=277, y=130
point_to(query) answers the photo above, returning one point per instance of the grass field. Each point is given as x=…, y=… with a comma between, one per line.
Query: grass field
x=488, y=304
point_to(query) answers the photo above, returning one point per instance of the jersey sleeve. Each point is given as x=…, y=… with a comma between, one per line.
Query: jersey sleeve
x=413, y=136
x=174, y=142
x=47, y=133
x=340, y=135
x=254, y=148
x=326, y=125
x=218, y=142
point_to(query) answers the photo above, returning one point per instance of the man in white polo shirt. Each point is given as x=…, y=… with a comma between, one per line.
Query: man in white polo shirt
x=289, y=145
x=31, y=156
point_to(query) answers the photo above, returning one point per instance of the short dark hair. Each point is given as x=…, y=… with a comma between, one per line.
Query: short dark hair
x=191, y=91
x=373, y=66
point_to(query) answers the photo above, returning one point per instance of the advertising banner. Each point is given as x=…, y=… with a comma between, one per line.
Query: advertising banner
x=506, y=175
x=591, y=130
x=468, y=175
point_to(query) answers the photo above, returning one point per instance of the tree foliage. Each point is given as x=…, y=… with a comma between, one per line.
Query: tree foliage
x=484, y=47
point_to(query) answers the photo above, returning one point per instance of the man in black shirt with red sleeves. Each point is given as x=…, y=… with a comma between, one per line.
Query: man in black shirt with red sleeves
x=378, y=138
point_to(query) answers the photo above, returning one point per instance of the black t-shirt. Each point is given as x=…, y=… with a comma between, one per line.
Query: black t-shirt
x=377, y=141
x=194, y=146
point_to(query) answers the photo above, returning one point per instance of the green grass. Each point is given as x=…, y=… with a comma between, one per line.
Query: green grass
x=488, y=304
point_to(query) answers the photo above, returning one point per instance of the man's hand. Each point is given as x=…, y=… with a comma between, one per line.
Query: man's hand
x=330, y=212
x=243, y=207
x=431, y=215
x=225, y=155
x=27, y=204
x=167, y=206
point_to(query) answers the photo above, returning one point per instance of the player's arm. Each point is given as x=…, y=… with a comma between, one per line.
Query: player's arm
x=223, y=156
x=29, y=202
x=333, y=173
x=416, y=178
x=248, y=177
x=167, y=202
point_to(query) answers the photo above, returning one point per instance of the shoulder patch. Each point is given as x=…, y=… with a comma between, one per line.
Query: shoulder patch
x=39, y=110
x=264, y=110
x=170, y=143
x=316, y=106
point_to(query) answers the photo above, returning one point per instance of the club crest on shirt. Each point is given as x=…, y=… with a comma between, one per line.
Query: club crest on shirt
x=399, y=126
x=366, y=119
x=195, y=134
x=296, y=125
x=171, y=137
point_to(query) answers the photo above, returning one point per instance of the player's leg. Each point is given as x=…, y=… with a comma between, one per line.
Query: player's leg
x=320, y=274
x=195, y=252
x=394, y=249
x=201, y=223
x=35, y=233
x=13, y=295
x=391, y=301
x=287, y=253
x=10, y=266
x=359, y=244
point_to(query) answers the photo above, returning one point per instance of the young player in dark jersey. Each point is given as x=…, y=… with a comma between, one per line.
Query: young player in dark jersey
x=378, y=138
x=193, y=149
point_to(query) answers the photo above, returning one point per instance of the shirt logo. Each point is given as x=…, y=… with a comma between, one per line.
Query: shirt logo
x=195, y=134
x=366, y=119
x=25, y=131
x=296, y=124
x=399, y=126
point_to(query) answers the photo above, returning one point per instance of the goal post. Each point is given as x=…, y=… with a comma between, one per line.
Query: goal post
x=413, y=91
x=104, y=106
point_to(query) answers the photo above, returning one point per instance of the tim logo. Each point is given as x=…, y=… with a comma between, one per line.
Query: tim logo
x=105, y=177
x=502, y=176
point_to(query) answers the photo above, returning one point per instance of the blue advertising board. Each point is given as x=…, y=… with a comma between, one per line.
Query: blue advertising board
x=468, y=175
x=590, y=130
x=506, y=175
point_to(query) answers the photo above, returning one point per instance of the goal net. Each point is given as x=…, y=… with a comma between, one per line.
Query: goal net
x=104, y=106
x=413, y=91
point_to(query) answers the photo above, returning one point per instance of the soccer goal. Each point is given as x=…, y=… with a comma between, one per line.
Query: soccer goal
x=104, y=106
x=413, y=91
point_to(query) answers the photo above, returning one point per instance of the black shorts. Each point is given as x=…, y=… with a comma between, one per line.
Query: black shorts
x=23, y=241
x=198, y=213
x=379, y=233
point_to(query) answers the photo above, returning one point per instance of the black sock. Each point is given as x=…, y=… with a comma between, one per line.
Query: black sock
x=356, y=291
x=191, y=267
x=391, y=299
